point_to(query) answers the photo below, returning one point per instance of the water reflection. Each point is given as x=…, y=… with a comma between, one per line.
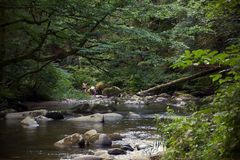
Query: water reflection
x=88, y=126
x=37, y=143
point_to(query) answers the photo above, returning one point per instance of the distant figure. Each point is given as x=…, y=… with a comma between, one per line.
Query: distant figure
x=99, y=87
x=92, y=90
x=85, y=87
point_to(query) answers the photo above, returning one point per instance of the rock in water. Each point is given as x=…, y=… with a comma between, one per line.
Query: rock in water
x=133, y=115
x=127, y=147
x=90, y=136
x=104, y=140
x=19, y=115
x=29, y=121
x=82, y=109
x=74, y=139
x=42, y=118
x=112, y=116
x=115, y=137
x=91, y=118
x=116, y=151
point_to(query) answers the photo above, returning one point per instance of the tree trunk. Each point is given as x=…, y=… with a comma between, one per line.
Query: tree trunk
x=164, y=87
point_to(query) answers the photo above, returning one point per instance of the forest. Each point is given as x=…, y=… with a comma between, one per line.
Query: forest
x=97, y=57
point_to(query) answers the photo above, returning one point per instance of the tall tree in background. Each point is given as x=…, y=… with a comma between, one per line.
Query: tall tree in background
x=123, y=39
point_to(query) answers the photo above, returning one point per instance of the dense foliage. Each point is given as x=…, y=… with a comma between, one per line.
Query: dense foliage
x=50, y=48
x=214, y=131
x=90, y=41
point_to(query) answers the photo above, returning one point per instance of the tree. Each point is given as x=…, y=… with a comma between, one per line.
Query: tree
x=105, y=34
x=212, y=132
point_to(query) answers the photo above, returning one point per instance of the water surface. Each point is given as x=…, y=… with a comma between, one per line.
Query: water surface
x=22, y=143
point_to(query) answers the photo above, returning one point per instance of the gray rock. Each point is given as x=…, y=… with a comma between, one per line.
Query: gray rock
x=161, y=100
x=74, y=139
x=20, y=115
x=183, y=96
x=127, y=147
x=165, y=95
x=104, y=140
x=42, y=118
x=115, y=136
x=112, y=116
x=142, y=146
x=116, y=151
x=29, y=121
x=133, y=115
x=82, y=109
x=98, y=118
x=157, y=157
x=135, y=100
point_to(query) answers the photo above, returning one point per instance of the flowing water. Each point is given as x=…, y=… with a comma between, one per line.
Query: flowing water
x=36, y=143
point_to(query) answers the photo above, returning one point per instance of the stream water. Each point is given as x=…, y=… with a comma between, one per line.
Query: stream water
x=37, y=143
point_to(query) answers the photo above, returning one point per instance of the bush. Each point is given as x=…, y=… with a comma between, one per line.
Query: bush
x=212, y=133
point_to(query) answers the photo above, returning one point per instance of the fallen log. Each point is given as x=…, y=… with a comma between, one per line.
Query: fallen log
x=164, y=87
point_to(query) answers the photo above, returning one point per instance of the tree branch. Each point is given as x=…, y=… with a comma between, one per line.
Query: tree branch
x=28, y=73
x=164, y=87
x=24, y=21
x=28, y=55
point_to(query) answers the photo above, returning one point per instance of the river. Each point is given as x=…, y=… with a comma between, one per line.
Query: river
x=36, y=143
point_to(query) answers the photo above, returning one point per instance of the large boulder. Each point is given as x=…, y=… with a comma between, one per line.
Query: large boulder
x=74, y=139
x=82, y=109
x=90, y=133
x=132, y=115
x=116, y=151
x=108, y=117
x=127, y=147
x=29, y=121
x=55, y=115
x=96, y=118
x=104, y=140
x=20, y=115
x=112, y=91
x=91, y=136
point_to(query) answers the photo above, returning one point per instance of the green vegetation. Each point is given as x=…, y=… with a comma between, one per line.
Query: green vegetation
x=50, y=48
x=214, y=131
